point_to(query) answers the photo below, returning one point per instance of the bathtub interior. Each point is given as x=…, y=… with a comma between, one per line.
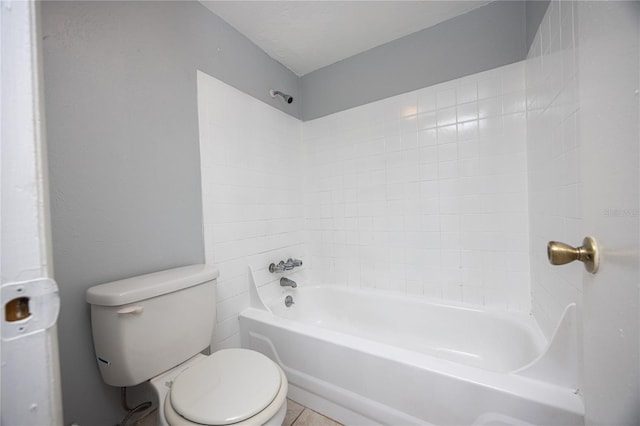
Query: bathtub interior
x=491, y=339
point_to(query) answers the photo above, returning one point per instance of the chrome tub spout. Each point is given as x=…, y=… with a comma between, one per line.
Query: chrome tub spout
x=286, y=282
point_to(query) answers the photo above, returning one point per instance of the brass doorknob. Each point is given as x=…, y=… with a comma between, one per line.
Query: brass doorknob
x=561, y=253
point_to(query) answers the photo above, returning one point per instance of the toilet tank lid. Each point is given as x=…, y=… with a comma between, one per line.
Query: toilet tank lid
x=143, y=287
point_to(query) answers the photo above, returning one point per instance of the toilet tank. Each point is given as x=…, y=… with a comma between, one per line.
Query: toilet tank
x=145, y=325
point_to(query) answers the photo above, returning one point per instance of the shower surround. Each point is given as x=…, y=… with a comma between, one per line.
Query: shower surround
x=423, y=193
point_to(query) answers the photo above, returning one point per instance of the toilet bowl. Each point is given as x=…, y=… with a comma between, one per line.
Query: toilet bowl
x=231, y=386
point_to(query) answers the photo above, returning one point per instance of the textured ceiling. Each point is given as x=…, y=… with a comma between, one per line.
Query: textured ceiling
x=307, y=35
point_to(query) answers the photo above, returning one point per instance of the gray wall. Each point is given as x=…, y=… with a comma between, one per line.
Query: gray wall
x=485, y=38
x=534, y=10
x=120, y=93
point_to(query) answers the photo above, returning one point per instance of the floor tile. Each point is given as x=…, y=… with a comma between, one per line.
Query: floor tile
x=297, y=415
x=293, y=411
x=311, y=418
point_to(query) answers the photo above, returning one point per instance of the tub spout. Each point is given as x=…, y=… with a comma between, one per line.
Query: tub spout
x=286, y=282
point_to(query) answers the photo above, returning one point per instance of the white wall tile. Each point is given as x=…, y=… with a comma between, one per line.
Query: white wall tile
x=412, y=194
x=553, y=159
x=412, y=205
x=252, y=207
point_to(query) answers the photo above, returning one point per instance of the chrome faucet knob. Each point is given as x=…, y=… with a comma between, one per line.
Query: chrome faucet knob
x=295, y=262
x=285, y=266
x=280, y=267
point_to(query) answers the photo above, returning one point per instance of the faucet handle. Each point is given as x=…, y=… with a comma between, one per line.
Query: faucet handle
x=285, y=266
x=295, y=262
x=280, y=267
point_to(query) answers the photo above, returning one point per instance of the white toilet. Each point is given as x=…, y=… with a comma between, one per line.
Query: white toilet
x=153, y=327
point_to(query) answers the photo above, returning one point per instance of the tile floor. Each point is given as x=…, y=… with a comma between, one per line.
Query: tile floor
x=297, y=415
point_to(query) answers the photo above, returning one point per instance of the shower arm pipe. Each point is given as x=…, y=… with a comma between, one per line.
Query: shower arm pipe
x=287, y=98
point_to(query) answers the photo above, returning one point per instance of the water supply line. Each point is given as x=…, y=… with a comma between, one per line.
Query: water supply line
x=131, y=411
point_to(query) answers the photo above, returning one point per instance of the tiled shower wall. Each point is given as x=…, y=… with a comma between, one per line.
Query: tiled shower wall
x=425, y=193
x=554, y=161
x=250, y=155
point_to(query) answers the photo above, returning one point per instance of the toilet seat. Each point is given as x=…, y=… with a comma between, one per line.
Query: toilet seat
x=232, y=386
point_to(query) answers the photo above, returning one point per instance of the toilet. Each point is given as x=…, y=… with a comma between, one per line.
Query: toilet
x=154, y=328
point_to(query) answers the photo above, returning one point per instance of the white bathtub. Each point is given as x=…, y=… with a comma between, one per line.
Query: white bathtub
x=366, y=357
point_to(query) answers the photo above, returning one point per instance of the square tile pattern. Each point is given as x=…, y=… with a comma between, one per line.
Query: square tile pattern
x=554, y=152
x=423, y=193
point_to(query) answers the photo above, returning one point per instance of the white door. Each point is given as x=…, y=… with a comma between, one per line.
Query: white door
x=608, y=63
x=30, y=393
